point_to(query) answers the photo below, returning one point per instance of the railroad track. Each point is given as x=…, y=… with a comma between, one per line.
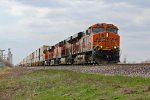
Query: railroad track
x=142, y=69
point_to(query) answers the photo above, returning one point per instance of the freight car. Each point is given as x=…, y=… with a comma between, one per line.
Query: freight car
x=36, y=58
x=99, y=44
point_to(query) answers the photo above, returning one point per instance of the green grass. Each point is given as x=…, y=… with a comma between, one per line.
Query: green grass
x=69, y=85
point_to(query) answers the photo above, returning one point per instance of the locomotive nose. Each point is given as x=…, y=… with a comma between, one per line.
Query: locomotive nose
x=106, y=47
x=105, y=41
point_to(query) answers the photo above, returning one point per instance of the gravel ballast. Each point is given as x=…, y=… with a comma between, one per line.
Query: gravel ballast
x=114, y=69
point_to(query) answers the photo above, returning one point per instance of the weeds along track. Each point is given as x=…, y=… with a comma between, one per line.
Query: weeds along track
x=142, y=70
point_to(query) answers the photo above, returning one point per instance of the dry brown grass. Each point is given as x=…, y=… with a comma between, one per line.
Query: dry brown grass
x=5, y=71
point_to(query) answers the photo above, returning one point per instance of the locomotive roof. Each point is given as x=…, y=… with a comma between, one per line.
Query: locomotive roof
x=103, y=25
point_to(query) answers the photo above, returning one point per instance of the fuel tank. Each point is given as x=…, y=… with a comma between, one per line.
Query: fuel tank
x=107, y=56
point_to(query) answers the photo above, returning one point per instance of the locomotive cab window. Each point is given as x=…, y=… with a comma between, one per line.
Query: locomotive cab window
x=98, y=30
x=112, y=30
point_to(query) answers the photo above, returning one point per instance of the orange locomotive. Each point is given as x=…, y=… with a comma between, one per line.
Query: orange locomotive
x=106, y=42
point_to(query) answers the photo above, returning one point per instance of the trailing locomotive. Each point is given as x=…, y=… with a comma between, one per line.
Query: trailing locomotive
x=99, y=44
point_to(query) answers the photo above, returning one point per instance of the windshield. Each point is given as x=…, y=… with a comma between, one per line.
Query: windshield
x=112, y=30
x=97, y=30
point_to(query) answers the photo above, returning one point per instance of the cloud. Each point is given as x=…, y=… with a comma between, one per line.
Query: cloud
x=19, y=9
x=30, y=11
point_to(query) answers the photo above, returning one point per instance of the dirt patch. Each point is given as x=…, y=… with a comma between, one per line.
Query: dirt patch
x=116, y=86
x=128, y=91
x=147, y=89
x=6, y=94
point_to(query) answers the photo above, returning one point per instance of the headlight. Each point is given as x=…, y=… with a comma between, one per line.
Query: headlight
x=115, y=47
x=101, y=46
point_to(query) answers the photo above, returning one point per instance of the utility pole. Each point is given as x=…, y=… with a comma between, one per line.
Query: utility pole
x=1, y=53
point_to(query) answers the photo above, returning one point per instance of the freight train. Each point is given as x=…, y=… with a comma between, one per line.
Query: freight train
x=100, y=43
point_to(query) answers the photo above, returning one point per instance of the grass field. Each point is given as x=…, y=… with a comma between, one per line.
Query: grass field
x=24, y=84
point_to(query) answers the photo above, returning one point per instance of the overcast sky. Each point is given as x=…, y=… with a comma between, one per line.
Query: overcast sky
x=25, y=25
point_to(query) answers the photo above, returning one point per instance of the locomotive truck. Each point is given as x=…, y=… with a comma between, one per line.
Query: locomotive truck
x=100, y=43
